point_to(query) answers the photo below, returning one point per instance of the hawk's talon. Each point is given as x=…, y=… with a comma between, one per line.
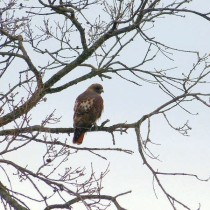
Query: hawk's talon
x=94, y=127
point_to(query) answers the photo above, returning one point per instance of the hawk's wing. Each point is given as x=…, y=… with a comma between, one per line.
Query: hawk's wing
x=88, y=108
x=83, y=106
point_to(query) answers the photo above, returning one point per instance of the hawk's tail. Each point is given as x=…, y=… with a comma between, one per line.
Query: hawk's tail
x=79, y=135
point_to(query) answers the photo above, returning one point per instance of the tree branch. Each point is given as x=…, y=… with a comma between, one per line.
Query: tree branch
x=4, y=194
x=92, y=197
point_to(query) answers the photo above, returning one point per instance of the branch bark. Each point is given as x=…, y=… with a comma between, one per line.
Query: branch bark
x=6, y=196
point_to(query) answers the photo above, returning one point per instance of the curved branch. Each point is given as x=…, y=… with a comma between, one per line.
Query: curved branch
x=64, y=11
x=92, y=197
x=203, y=15
x=170, y=198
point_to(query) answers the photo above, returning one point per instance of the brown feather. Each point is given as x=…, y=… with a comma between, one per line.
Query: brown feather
x=88, y=108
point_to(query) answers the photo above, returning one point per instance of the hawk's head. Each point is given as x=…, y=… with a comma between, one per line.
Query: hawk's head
x=97, y=88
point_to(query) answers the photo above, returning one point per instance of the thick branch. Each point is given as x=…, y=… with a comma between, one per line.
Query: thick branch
x=16, y=131
x=24, y=108
x=86, y=54
x=4, y=194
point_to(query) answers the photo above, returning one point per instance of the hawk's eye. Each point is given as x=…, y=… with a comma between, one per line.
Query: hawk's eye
x=98, y=89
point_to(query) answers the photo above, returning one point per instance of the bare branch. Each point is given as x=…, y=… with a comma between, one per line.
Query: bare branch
x=9, y=198
x=97, y=197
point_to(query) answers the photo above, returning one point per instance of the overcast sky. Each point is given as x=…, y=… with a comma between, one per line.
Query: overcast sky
x=125, y=102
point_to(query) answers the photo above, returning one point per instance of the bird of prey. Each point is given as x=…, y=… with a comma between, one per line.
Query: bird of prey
x=87, y=109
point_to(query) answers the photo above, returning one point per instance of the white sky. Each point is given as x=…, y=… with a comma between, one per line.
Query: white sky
x=125, y=102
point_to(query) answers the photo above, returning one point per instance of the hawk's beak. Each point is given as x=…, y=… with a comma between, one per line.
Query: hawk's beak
x=102, y=90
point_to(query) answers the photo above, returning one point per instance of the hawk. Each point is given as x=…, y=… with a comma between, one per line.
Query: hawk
x=87, y=109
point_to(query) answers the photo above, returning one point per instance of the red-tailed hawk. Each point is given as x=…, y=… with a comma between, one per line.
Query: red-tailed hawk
x=87, y=109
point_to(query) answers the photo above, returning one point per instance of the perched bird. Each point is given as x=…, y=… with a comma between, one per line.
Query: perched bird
x=87, y=109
